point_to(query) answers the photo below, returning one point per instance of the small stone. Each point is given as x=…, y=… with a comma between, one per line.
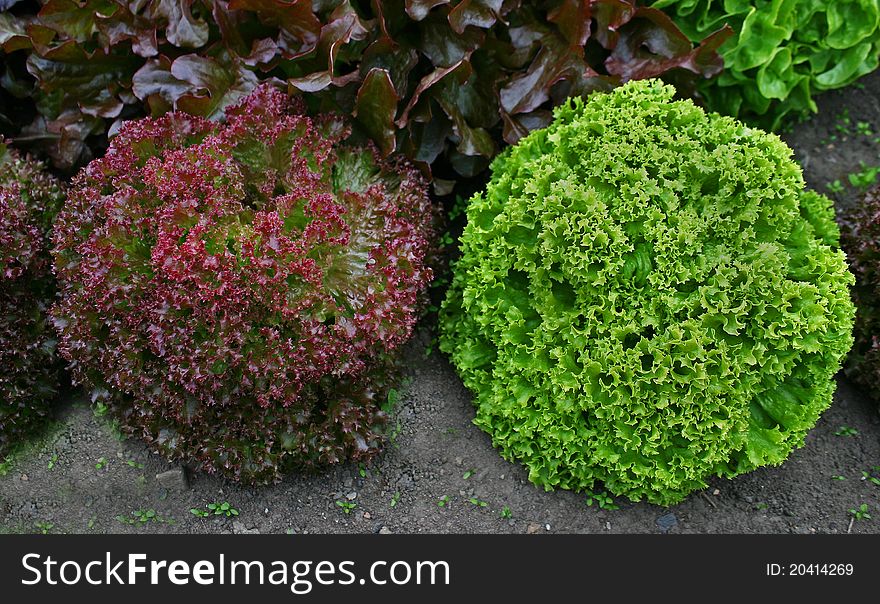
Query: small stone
x=347, y=482
x=351, y=496
x=533, y=528
x=459, y=461
x=385, y=531
x=547, y=526
x=607, y=526
x=367, y=515
x=239, y=528
x=667, y=522
x=24, y=477
x=716, y=492
x=173, y=480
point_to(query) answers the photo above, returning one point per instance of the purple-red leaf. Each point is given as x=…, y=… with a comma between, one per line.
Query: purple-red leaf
x=376, y=108
x=419, y=9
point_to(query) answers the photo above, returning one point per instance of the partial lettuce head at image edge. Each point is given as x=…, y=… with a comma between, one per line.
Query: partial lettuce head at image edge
x=783, y=52
x=647, y=296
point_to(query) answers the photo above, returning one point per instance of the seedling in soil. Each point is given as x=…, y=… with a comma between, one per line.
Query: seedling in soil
x=395, y=499
x=761, y=506
x=838, y=477
x=865, y=178
x=864, y=129
x=101, y=463
x=843, y=122
x=142, y=517
x=505, y=513
x=6, y=464
x=199, y=513
x=602, y=500
x=468, y=474
x=872, y=479
x=392, y=438
x=52, y=461
x=861, y=513
x=443, y=502
x=91, y=522
x=846, y=431
x=133, y=464
x=222, y=509
x=44, y=527
x=478, y=502
x=362, y=471
x=347, y=506
x=100, y=409
x=834, y=186
x=391, y=401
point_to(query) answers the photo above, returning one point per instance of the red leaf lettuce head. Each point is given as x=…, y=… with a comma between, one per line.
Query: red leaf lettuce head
x=861, y=240
x=239, y=290
x=29, y=199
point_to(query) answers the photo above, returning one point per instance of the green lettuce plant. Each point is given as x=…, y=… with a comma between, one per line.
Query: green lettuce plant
x=783, y=51
x=647, y=296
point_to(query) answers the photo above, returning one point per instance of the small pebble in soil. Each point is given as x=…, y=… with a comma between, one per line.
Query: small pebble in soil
x=667, y=522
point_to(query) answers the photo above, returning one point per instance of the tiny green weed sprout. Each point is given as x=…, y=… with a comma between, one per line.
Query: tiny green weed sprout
x=867, y=476
x=864, y=129
x=395, y=499
x=52, y=461
x=838, y=477
x=861, y=512
x=199, y=513
x=347, y=506
x=7, y=464
x=865, y=178
x=44, y=527
x=846, y=431
x=468, y=474
x=222, y=509
x=443, y=501
x=143, y=517
x=505, y=513
x=602, y=500
x=478, y=502
x=101, y=463
x=134, y=464
x=834, y=186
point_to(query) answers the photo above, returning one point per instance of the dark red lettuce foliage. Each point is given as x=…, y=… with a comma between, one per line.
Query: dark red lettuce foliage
x=861, y=241
x=29, y=199
x=237, y=292
x=447, y=82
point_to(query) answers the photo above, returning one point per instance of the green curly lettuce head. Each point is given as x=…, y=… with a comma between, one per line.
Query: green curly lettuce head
x=647, y=296
x=782, y=52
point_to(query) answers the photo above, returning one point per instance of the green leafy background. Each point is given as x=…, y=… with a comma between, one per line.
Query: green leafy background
x=783, y=51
